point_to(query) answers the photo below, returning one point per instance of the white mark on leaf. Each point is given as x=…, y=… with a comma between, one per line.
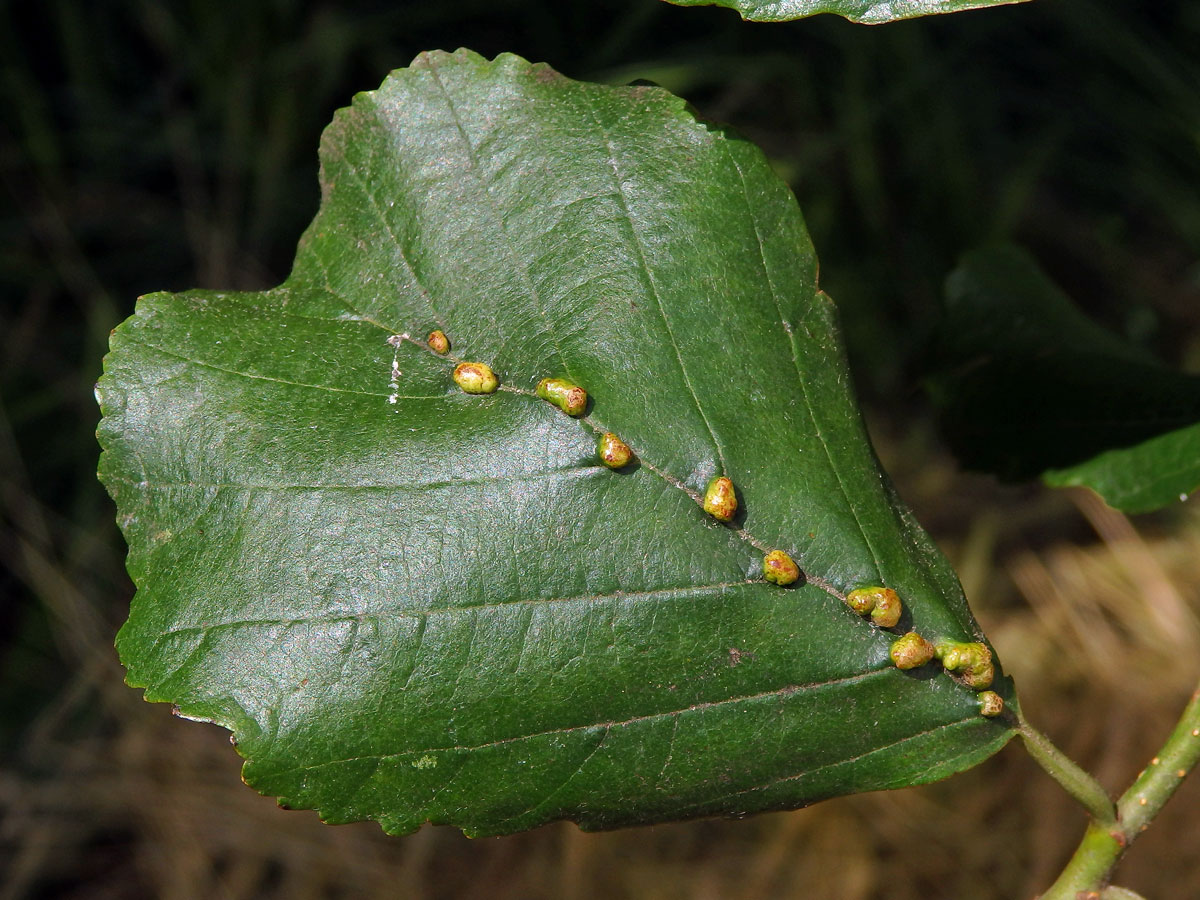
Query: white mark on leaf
x=394, y=384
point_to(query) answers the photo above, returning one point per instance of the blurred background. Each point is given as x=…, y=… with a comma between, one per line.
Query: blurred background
x=148, y=146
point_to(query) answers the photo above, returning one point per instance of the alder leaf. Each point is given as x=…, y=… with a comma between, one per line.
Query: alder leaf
x=868, y=12
x=411, y=603
x=1031, y=387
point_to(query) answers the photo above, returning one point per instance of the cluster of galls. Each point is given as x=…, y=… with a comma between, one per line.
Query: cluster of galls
x=478, y=378
x=969, y=663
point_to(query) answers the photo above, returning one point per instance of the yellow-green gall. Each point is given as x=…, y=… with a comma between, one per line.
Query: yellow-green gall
x=862, y=601
x=613, y=451
x=882, y=604
x=720, y=500
x=476, y=378
x=911, y=651
x=888, y=608
x=570, y=398
x=779, y=568
x=972, y=661
x=991, y=704
x=438, y=342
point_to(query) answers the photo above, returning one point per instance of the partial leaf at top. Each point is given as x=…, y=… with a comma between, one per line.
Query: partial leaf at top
x=1030, y=387
x=868, y=12
x=409, y=603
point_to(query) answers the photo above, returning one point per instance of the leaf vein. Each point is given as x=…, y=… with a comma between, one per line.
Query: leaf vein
x=251, y=375
x=653, y=593
x=514, y=259
x=644, y=265
x=571, y=471
x=974, y=720
x=791, y=338
x=775, y=693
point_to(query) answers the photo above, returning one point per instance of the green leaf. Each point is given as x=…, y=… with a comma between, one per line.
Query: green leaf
x=1029, y=387
x=869, y=12
x=1142, y=478
x=410, y=603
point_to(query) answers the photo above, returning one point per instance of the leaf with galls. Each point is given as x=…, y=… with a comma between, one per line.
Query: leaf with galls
x=991, y=704
x=911, y=651
x=410, y=603
x=972, y=661
x=882, y=604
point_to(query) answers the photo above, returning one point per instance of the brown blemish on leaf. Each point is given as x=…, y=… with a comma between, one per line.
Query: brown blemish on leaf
x=991, y=704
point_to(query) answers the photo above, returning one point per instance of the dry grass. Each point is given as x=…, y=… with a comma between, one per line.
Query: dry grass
x=113, y=798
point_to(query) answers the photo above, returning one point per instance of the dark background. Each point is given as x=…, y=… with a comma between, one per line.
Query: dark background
x=166, y=145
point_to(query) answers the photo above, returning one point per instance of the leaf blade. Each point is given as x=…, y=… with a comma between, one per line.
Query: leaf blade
x=867, y=12
x=413, y=604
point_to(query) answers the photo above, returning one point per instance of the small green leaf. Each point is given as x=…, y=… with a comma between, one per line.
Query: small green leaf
x=412, y=603
x=1142, y=478
x=869, y=12
x=1030, y=387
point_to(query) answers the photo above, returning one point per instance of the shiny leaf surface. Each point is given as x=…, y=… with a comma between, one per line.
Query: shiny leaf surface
x=411, y=603
x=869, y=12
